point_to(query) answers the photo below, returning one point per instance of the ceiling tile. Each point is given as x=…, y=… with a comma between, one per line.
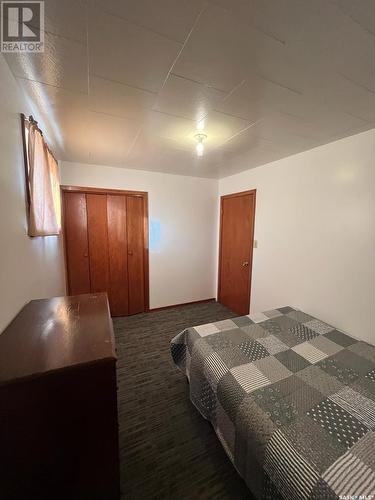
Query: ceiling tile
x=118, y=99
x=110, y=138
x=127, y=53
x=219, y=128
x=150, y=151
x=361, y=12
x=187, y=99
x=62, y=64
x=171, y=18
x=67, y=18
x=169, y=127
x=62, y=114
x=221, y=50
x=257, y=96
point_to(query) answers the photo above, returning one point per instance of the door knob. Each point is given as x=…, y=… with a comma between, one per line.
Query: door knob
x=85, y=254
x=245, y=263
x=130, y=252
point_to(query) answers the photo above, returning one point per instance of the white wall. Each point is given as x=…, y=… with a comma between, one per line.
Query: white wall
x=183, y=227
x=315, y=226
x=29, y=268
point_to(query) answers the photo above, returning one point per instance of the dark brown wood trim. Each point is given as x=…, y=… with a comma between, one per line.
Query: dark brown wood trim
x=234, y=195
x=142, y=194
x=183, y=304
x=94, y=190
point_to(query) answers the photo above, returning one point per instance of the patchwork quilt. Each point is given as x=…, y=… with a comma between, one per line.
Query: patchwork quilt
x=291, y=399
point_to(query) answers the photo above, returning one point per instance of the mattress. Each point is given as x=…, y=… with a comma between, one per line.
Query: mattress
x=291, y=398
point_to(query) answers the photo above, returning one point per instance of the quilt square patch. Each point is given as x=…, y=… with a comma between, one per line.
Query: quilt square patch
x=303, y=332
x=226, y=338
x=350, y=477
x=318, y=326
x=242, y=321
x=225, y=430
x=364, y=350
x=233, y=356
x=357, y=405
x=286, y=309
x=272, y=368
x=305, y=398
x=273, y=344
x=249, y=377
x=272, y=326
x=293, y=361
x=326, y=345
x=230, y=393
x=225, y=324
x=254, y=331
x=288, y=338
x=300, y=316
x=371, y=375
x=343, y=373
x=280, y=411
x=309, y=352
x=340, y=338
x=273, y=313
x=253, y=350
x=214, y=369
x=308, y=438
x=364, y=450
x=281, y=458
x=204, y=330
x=354, y=361
x=320, y=380
x=339, y=423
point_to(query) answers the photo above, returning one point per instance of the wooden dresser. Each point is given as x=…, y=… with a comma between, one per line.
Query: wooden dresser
x=58, y=402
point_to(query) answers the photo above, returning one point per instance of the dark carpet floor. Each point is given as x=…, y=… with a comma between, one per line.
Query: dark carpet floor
x=167, y=450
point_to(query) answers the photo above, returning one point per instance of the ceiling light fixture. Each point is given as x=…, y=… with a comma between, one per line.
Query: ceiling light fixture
x=200, y=146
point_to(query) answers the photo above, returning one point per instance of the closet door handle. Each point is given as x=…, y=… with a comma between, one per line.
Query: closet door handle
x=86, y=255
x=130, y=252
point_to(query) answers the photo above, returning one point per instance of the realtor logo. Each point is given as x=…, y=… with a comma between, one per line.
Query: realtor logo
x=22, y=26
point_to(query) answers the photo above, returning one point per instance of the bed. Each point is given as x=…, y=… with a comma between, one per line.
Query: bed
x=291, y=399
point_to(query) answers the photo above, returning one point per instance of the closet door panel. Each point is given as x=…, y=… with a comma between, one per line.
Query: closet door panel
x=98, y=241
x=76, y=243
x=136, y=243
x=118, y=257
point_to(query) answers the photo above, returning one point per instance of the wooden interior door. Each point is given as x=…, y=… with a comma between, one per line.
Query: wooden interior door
x=97, y=229
x=106, y=246
x=236, y=250
x=76, y=243
x=135, y=222
x=118, y=292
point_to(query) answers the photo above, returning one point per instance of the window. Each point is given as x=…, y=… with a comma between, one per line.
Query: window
x=42, y=182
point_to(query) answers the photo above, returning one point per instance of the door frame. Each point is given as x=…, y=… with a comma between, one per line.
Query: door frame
x=91, y=190
x=222, y=198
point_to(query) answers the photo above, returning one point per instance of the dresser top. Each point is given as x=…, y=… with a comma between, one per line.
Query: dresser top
x=54, y=334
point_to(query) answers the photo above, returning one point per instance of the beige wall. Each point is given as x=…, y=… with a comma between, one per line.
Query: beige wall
x=29, y=268
x=183, y=227
x=315, y=226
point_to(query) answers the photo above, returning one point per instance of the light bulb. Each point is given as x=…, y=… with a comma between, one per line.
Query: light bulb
x=200, y=148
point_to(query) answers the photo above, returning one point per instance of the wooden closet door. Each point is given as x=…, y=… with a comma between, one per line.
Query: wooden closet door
x=118, y=255
x=76, y=243
x=98, y=241
x=136, y=243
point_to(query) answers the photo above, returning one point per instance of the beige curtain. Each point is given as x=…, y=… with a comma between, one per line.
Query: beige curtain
x=44, y=187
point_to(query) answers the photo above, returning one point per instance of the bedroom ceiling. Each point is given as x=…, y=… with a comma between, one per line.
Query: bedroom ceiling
x=129, y=82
